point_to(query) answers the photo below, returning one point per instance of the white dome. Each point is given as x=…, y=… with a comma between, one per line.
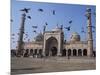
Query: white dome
x=75, y=37
x=39, y=37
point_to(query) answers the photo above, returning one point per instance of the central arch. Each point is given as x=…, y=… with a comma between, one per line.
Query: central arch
x=53, y=51
x=51, y=47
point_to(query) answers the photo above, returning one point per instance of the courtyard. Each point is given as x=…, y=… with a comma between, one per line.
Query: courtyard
x=30, y=65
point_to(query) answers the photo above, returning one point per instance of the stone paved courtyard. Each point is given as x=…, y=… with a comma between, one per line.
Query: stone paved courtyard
x=51, y=64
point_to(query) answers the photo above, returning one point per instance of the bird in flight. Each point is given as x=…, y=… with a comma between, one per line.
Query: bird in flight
x=61, y=27
x=46, y=23
x=29, y=17
x=93, y=27
x=68, y=28
x=41, y=10
x=70, y=21
x=13, y=34
x=53, y=12
x=34, y=26
x=34, y=31
x=83, y=30
x=25, y=10
x=11, y=20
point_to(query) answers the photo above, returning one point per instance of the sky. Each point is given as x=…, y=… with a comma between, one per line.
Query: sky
x=63, y=14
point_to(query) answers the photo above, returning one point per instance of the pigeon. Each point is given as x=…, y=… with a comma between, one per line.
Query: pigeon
x=34, y=31
x=68, y=28
x=41, y=10
x=13, y=34
x=53, y=12
x=25, y=9
x=11, y=20
x=70, y=21
x=46, y=23
x=34, y=26
x=29, y=17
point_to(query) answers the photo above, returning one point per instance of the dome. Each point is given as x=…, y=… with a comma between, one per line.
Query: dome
x=75, y=37
x=57, y=29
x=39, y=37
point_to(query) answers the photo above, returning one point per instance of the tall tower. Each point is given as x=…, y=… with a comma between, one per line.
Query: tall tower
x=20, y=39
x=89, y=32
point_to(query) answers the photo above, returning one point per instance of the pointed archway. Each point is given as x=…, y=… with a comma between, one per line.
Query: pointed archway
x=64, y=52
x=51, y=47
x=53, y=51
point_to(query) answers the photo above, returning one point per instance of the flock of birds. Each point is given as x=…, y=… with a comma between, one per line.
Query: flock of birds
x=26, y=10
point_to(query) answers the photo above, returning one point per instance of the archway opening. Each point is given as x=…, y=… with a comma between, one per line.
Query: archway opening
x=31, y=52
x=74, y=52
x=64, y=52
x=26, y=54
x=53, y=51
x=79, y=52
x=85, y=52
x=51, y=47
x=35, y=52
x=69, y=52
x=40, y=51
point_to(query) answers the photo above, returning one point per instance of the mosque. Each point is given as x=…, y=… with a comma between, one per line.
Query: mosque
x=52, y=43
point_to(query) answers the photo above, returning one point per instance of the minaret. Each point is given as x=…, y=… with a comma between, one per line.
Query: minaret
x=20, y=39
x=89, y=32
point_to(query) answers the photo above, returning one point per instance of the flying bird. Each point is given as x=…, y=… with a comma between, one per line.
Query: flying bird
x=44, y=27
x=68, y=28
x=83, y=30
x=26, y=34
x=46, y=23
x=29, y=17
x=41, y=10
x=24, y=38
x=53, y=12
x=34, y=26
x=93, y=31
x=61, y=27
x=93, y=27
x=70, y=21
x=34, y=31
x=13, y=34
x=11, y=20
x=25, y=10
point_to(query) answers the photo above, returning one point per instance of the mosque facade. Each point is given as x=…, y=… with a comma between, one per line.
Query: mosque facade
x=53, y=44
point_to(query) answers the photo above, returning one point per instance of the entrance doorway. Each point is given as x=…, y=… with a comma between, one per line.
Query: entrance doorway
x=51, y=46
x=53, y=51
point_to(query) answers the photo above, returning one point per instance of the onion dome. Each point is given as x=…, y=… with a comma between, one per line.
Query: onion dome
x=39, y=37
x=75, y=37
